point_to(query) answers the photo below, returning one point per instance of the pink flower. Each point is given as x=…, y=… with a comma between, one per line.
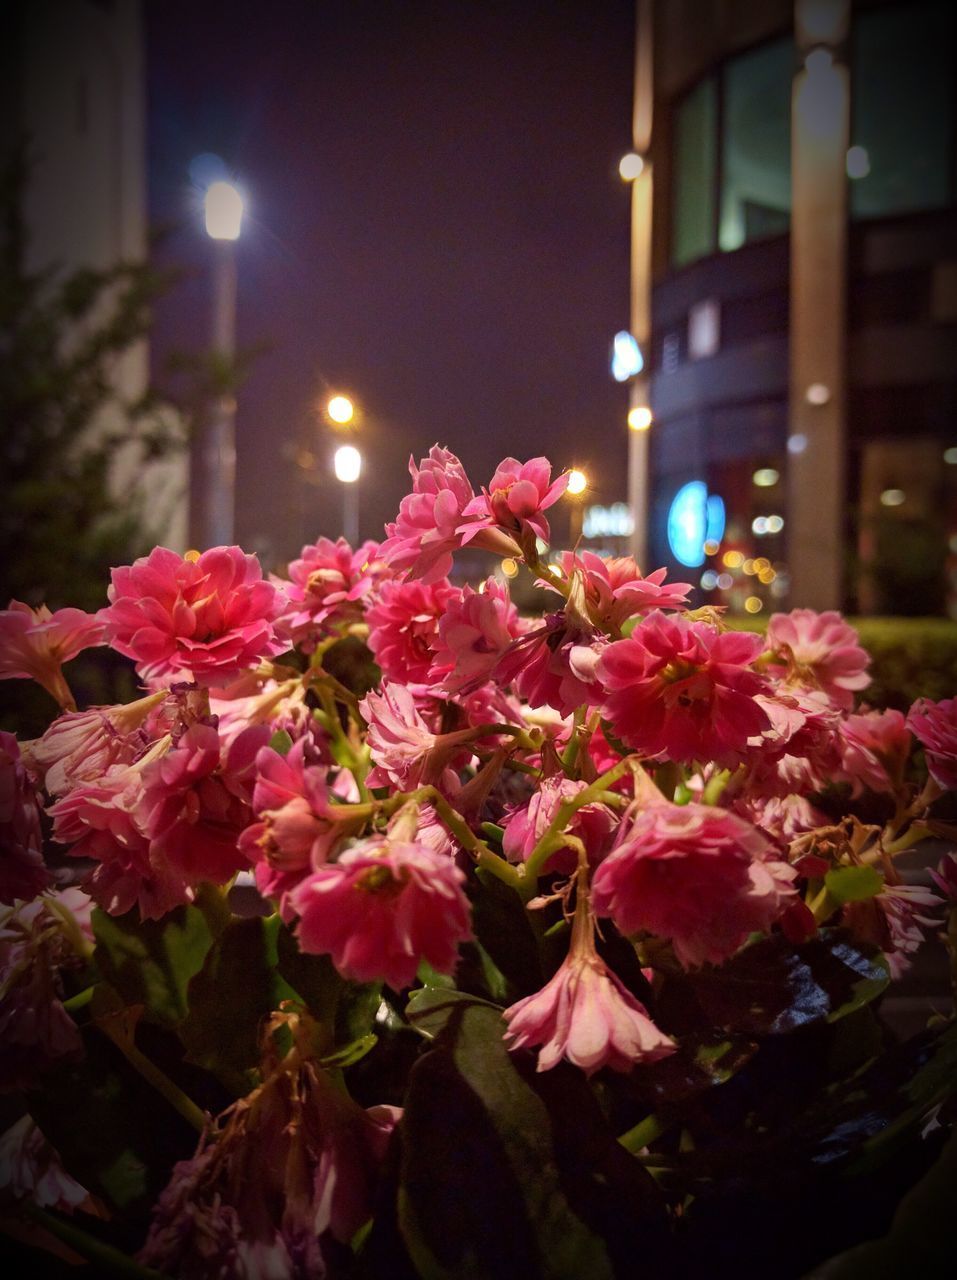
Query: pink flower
x=894, y=920
x=874, y=748
x=34, y=643
x=326, y=589
x=23, y=873
x=697, y=875
x=205, y=620
x=822, y=652
x=585, y=1013
x=474, y=631
x=945, y=877
x=517, y=496
x=594, y=824
x=683, y=691
x=298, y=826
x=196, y=802
x=100, y=820
x=81, y=745
x=385, y=906
x=615, y=589
x=428, y=527
x=934, y=724
x=404, y=627
x=783, y=818
x=30, y=1169
x=406, y=752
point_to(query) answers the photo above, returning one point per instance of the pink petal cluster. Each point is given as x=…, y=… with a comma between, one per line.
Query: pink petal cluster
x=516, y=499
x=594, y=824
x=296, y=828
x=697, y=875
x=404, y=627
x=683, y=691
x=326, y=589
x=894, y=920
x=34, y=643
x=80, y=746
x=587, y=1015
x=934, y=725
x=874, y=747
x=382, y=908
x=206, y=619
x=616, y=590
x=406, y=752
x=475, y=629
x=196, y=802
x=822, y=652
x=23, y=873
x=426, y=530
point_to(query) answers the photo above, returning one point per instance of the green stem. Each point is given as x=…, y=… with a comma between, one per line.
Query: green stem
x=80, y=1000
x=164, y=1086
x=551, y=837
x=644, y=1133
x=108, y=1260
x=467, y=838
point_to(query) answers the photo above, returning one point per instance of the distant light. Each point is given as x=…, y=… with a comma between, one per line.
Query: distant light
x=577, y=481
x=695, y=517
x=704, y=329
x=630, y=166
x=709, y=580
x=775, y=524
x=725, y=582
x=762, y=563
x=759, y=525
x=341, y=409
x=640, y=418
x=749, y=567
x=615, y=521
x=509, y=567
x=817, y=394
x=818, y=61
x=857, y=162
x=224, y=211
x=780, y=586
x=767, y=576
x=950, y=456
x=797, y=443
x=733, y=559
x=765, y=477
x=626, y=358
x=893, y=497
x=711, y=547
x=754, y=604
x=348, y=463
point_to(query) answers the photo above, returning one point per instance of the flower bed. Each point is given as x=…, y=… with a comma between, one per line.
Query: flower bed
x=388, y=933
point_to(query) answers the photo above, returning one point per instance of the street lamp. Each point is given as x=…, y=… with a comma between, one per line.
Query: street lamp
x=341, y=410
x=577, y=484
x=223, y=207
x=347, y=462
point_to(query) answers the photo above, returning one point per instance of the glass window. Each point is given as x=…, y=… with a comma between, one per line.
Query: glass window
x=903, y=109
x=756, y=145
x=695, y=161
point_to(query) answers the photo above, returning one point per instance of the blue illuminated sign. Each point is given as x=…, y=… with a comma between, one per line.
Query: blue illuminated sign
x=694, y=518
x=626, y=357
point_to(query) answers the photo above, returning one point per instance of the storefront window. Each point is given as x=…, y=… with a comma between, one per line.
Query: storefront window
x=902, y=70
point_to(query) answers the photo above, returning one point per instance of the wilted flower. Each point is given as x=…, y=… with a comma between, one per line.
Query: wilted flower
x=822, y=652
x=326, y=589
x=699, y=876
x=406, y=752
x=30, y=1169
x=206, y=619
x=934, y=724
x=404, y=628
x=23, y=873
x=585, y=1013
x=894, y=920
x=382, y=908
x=683, y=691
x=82, y=745
x=34, y=643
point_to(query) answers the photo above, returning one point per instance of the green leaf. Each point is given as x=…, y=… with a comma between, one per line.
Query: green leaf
x=281, y=742
x=151, y=962
x=507, y=1172
x=853, y=884
x=503, y=928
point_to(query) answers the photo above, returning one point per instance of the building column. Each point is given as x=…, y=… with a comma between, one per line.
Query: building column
x=817, y=447
x=640, y=321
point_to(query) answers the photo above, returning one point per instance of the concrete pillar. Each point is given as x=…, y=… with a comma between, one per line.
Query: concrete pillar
x=817, y=447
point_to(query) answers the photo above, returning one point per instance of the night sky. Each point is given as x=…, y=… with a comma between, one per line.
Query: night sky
x=436, y=226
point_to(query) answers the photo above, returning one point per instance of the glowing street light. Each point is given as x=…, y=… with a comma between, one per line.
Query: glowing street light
x=341, y=410
x=639, y=418
x=223, y=206
x=630, y=166
x=347, y=463
x=577, y=482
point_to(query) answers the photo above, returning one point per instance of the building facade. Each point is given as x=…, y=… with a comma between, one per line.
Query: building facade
x=794, y=290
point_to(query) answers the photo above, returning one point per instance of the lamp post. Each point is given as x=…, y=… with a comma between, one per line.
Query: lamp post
x=347, y=462
x=577, y=484
x=223, y=207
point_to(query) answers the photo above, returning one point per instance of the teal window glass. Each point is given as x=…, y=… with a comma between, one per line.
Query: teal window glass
x=902, y=77
x=695, y=171
x=756, y=145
